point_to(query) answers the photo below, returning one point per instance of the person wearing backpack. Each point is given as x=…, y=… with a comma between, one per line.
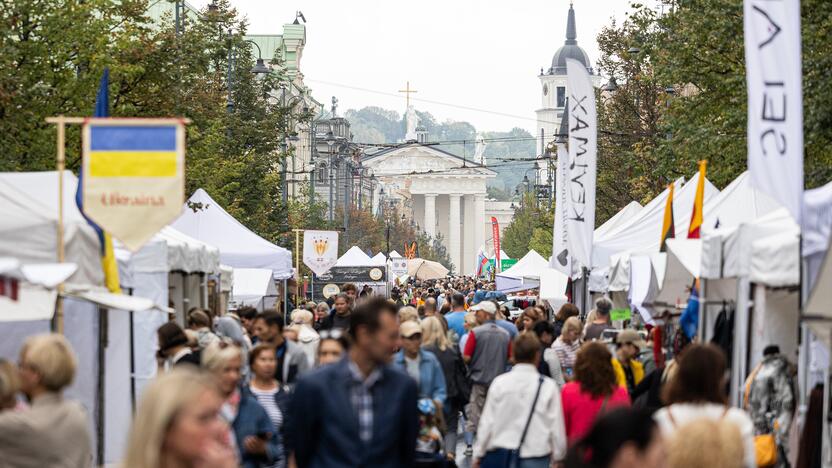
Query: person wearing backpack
x=696, y=392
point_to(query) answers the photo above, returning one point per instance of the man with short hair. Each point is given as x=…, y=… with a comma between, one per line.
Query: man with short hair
x=456, y=317
x=173, y=346
x=360, y=411
x=351, y=291
x=430, y=307
x=487, y=353
x=594, y=330
x=247, y=315
x=291, y=360
x=508, y=409
x=340, y=318
x=54, y=430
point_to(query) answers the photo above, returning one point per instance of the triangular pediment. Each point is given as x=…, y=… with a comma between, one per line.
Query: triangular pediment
x=418, y=159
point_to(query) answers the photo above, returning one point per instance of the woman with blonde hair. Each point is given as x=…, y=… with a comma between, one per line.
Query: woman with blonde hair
x=257, y=440
x=706, y=442
x=567, y=345
x=308, y=339
x=435, y=340
x=178, y=424
x=9, y=385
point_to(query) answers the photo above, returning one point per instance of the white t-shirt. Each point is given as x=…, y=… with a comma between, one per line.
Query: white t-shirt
x=412, y=367
x=684, y=413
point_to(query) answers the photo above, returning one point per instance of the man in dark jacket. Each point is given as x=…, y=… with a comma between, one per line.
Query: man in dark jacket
x=360, y=411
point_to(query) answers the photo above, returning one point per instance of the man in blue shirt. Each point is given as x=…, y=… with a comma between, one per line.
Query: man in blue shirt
x=456, y=317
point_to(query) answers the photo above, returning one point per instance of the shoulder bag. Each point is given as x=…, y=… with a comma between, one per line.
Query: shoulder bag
x=509, y=458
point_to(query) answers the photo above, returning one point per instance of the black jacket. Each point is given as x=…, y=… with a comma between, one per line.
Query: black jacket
x=456, y=374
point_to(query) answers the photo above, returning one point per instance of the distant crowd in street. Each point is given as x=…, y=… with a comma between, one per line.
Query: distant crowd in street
x=365, y=380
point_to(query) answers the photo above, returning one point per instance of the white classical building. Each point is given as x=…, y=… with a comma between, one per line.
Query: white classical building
x=553, y=85
x=446, y=194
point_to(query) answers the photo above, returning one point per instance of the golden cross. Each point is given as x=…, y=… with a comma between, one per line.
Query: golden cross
x=408, y=92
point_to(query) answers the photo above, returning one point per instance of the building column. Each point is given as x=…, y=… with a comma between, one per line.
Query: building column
x=479, y=220
x=454, y=225
x=469, y=245
x=429, y=223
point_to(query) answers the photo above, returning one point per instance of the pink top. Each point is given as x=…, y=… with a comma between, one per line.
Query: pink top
x=580, y=409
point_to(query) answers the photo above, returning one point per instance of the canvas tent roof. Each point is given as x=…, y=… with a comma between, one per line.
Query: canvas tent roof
x=254, y=287
x=354, y=256
x=643, y=232
x=379, y=259
x=239, y=247
x=598, y=276
x=28, y=231
x=527, y=273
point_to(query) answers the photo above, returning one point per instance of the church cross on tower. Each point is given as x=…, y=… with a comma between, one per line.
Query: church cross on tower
x=408, y=92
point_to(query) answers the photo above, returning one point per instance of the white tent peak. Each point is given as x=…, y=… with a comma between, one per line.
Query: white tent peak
x=530, y=265
x=239, y=246
x=354, y=256
x=379, y=259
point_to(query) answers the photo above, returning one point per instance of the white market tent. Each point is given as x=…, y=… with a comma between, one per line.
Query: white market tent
x=239, y=246
x=353, y=257
x=254, y=287
x=738, y=203
x=528, y=273
x=379, y=259
x=642, y=235
x=395, y=254
x=598, y=276
x=28, y=232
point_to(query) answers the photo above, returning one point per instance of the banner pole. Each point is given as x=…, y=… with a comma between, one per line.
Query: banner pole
x=297, y=264
x=61, y=165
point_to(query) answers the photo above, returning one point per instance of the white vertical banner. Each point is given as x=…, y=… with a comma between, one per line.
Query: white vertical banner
x=775, y=100
x=320, y=250
x=561, y=259
x=583, y=143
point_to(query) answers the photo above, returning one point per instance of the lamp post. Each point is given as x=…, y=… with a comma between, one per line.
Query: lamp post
x=259, y=68
x=330, y=141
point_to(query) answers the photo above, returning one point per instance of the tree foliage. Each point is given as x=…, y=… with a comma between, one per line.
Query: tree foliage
x=528, y=228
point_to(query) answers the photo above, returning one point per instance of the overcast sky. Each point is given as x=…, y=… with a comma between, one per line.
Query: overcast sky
x=480, y=57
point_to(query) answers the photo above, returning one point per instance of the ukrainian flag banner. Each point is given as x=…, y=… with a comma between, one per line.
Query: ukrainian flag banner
x=133, y=176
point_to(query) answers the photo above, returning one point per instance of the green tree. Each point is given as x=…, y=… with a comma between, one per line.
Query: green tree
x=527, y=228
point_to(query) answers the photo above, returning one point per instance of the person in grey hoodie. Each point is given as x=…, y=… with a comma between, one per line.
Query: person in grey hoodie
x=291, y=360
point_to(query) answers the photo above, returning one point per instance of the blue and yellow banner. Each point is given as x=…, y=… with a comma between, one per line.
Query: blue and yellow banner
x=133, y=176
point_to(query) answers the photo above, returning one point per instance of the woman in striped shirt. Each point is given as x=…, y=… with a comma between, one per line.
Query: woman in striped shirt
x=266, y=389
x=567, y=345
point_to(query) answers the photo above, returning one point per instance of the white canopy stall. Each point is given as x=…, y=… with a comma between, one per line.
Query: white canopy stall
x=528, y=273
x=253, y=287
x=204, y=219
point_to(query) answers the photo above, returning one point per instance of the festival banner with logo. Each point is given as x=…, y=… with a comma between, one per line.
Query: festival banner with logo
x=320, y=250
x=583, y=141
x=133, y=175
x=775, y=100
x=495, y=235
x=561, y=259
x=398, y=266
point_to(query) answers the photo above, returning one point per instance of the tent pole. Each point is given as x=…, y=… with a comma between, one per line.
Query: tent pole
x=103, y=324
x=285, y=302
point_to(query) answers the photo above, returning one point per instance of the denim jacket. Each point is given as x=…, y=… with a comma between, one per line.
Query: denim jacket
x=431, y=378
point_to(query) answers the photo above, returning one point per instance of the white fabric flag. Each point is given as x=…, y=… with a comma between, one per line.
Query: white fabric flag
x=775, y=101
x=561, y=259
x=583, y=141
x=320, y=250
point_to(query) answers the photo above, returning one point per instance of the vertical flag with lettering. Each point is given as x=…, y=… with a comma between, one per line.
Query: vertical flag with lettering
x=583, y=141
x=561, y=260
x=698, y=202
x=775, y=100
x=668, y=227
x=495, y=235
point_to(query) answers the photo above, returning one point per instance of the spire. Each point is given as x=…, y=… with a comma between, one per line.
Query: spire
x=571, y=31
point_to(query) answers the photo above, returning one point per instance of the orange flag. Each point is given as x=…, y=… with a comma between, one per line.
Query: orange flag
x=698, y=202
x=668, y=228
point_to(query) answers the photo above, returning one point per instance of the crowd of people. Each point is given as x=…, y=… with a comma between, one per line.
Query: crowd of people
x=364, y=380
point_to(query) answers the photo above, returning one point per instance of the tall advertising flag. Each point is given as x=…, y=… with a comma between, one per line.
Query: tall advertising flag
x=495, y=235
x=775, y=100
x=561, y=259
x=583, y=142
x=698, y=202
x=133, y=175
x=320, y=250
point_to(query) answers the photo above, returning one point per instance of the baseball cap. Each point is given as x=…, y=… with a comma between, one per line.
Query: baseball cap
x=485, y=306
x=629, y=335
x=409, y=328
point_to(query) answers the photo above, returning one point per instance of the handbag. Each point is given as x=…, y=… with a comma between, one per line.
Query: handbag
x=509, y=458
x=765, y=445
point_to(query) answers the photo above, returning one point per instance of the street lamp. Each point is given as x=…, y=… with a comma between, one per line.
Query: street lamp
x=330, y=141
x=611, y=85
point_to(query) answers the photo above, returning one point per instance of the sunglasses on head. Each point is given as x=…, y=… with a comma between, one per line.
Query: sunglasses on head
x=334, y=334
